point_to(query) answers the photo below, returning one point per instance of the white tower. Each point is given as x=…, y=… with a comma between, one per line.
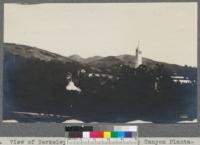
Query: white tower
x=138, y=52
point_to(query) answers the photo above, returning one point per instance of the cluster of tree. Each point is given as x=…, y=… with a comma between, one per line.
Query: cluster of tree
x=148, y=93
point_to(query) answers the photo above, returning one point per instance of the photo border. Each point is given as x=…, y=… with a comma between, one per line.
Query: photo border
x=57, y=129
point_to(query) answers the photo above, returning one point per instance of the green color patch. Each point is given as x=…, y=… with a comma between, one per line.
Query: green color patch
x=114, y=134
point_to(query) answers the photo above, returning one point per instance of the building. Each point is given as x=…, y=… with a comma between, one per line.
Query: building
x=181, y=79
x=138, y=54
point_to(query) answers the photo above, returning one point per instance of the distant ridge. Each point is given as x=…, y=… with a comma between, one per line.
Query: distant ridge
x=76, y=58
x=33, y=52
x=95, y=61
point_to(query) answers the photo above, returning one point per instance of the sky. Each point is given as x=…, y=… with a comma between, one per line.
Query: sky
x=167, y=31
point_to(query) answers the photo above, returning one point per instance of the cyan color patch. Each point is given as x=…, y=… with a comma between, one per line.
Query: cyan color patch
x=121, y=134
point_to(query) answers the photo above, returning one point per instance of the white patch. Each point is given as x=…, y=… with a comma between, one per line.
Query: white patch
x=42, y=114
x=51, y=115
x=83, y=71
x=27, y=113
x=73, y=121
x=97, y=75
x=90, y=75
x=71, y=87
x=10, y=121
x=138, y=121
x=94, y=122
x=187, y=121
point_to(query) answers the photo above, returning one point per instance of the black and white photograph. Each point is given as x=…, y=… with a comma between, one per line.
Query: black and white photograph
x=100, y=63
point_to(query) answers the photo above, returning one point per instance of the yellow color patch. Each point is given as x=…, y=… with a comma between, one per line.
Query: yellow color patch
x=106, y=134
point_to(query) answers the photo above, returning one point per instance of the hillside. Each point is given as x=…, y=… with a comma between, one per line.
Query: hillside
x=35, y=81
x=33, y=52
x=35, y=75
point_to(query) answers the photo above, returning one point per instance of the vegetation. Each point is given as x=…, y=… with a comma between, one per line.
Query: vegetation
x=115, y=92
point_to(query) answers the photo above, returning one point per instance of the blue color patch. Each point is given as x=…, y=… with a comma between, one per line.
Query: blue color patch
x=128, y=134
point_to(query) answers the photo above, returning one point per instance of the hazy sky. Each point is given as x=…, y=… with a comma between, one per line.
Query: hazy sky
x=167, y=31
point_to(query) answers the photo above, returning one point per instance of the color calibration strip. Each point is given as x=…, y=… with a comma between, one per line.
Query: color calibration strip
x=101, y=134
x=88, y=132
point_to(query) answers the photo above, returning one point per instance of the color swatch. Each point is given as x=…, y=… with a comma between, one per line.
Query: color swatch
x=100, y=134
x=88, y=132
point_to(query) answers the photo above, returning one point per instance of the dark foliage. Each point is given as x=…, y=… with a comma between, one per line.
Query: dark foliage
x=122, y=94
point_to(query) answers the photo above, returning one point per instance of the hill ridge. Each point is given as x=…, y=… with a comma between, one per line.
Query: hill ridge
x=35, y=52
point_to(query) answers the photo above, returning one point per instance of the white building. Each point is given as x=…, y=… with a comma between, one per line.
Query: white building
x=72, y=87
x=138, y=54
x=181, y=80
